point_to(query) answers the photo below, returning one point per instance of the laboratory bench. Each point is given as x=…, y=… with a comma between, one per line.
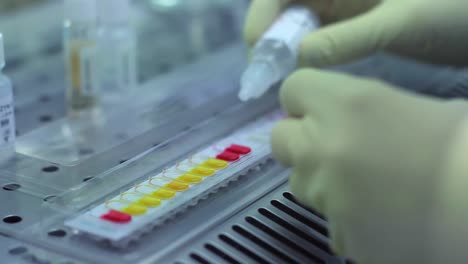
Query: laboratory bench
x=181, y=172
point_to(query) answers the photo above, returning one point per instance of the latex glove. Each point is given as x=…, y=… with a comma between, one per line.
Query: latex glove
x=371, y=158
x=429, y=30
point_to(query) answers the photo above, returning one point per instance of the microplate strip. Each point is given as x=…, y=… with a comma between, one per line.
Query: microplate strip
x=149, y=203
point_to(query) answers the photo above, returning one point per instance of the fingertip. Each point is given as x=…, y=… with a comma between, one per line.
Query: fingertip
x=280, y=143
x=261, y=14
x=250, y=33
x=337, y=239
x=345, y=41
x=318, y=50
x=287, y=141
x=297, y=187
x=292, y=90
x=308, y=190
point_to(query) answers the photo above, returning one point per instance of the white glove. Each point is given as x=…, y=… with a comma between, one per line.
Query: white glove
x=429, y=30
x=376, y=162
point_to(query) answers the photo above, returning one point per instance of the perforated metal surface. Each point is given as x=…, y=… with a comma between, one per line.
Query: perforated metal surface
x=274, y=229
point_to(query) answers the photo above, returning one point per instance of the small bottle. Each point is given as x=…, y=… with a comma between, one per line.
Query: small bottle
x=116, y=51
x=80, y=50
x=275, y=54
x=7, y=114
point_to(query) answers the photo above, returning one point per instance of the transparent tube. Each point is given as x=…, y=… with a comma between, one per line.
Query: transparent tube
x=275, y=54
x=80, y=50
x=117, y=63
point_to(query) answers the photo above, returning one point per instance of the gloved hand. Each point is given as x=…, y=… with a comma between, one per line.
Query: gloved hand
x=429, y=30
x=372, y=159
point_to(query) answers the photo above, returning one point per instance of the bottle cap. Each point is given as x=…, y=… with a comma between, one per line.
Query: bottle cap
x=81, y=10
x=114, y=11
x=2, y=52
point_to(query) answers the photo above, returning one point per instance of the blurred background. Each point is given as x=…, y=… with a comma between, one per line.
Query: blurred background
x=171, y=33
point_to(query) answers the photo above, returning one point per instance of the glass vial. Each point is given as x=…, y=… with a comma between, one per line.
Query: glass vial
x=80, y=52
x=116, y=51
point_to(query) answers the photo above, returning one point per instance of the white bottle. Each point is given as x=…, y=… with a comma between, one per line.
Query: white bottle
x=275, y=54
x=7, y=114
x=80, y=53
x=116, y=51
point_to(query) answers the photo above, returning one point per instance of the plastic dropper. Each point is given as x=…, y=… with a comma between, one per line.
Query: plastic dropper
x=275, y=54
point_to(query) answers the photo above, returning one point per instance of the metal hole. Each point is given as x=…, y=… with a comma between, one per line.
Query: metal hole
x=190, y=56
x=121, y=136
x=43, y=78
x=260, y=242
x=18, y=250
x=164, y=68
x=87, y=179
x=14, y=63
x=49, y=197
x=218, y=252
x=12, y=219
x=231, y=242
x=287, y=242
x=45, y=118
x=85, y=151
x=44, y=98
x=57, y=233
x=50, y=169
x=53, y=49
x=291, y=198
x=291, y=228
x=301, y=218
x=11, y=187
x=199, y=259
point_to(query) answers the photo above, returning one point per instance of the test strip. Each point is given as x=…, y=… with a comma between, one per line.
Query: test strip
x=121, y=218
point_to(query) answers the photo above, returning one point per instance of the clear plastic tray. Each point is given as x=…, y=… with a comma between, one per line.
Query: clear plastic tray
x=162, y=194
x=71, y=141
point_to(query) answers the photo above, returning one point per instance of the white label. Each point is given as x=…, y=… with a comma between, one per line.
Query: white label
x=7, y=121
x=117, y=68
x=293, y=25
